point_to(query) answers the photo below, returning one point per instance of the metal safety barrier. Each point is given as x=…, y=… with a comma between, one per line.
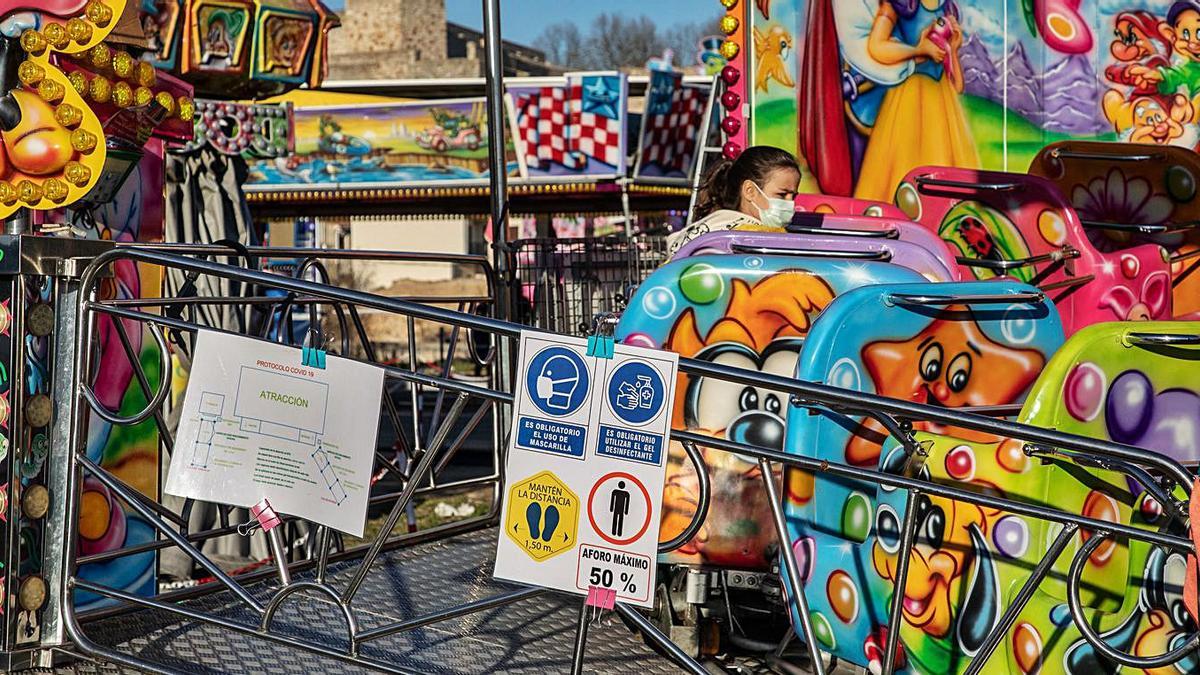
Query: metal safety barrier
x=83, y=305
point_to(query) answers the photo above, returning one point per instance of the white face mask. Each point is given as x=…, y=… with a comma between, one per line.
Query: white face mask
x=778, y=212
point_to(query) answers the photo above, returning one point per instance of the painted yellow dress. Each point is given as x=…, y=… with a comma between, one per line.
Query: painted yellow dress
x=921, y=121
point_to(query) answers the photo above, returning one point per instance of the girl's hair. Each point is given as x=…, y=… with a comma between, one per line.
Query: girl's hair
x=721, y=185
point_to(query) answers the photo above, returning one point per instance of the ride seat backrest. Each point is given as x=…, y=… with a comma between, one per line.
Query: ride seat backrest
x=1124, y=183
x=848, y=206
x=1110, y=381
x=903, y=253
x=990, y=217
x=955, y=345
x=1117, y=187
x=1115, y=381
x=747, y=311
x=901, y=229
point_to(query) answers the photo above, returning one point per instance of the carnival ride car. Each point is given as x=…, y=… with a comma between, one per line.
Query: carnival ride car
x=1021, y=226
x=903, y=253
x=975, y=580
x=1128, y=194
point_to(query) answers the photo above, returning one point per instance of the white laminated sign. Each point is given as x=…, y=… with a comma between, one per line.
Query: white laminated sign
x=257, y=424
x=586, y=466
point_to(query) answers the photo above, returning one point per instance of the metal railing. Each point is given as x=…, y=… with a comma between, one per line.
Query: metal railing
x=1162, y=477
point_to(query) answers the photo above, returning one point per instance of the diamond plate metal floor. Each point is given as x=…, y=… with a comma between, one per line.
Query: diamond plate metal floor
x=531, y=636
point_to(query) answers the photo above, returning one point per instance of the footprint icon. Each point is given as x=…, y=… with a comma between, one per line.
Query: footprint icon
x=551, y=523
x=533, y=516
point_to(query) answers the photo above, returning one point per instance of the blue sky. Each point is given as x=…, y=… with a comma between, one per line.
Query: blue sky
x=523, y=20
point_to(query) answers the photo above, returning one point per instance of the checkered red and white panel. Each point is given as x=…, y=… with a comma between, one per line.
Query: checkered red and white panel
x=552, y=127
x=527, y=113
x=557, y=112
x=671, y=138
x=600, y=138
x=687, y=114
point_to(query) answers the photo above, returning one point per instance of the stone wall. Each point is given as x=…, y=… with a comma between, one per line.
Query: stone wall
x=389, y=39
x=397, y=65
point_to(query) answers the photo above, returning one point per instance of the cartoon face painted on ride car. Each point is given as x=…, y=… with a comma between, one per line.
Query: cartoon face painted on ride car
x=951, y=363
x=845, y=534
x=746, y=312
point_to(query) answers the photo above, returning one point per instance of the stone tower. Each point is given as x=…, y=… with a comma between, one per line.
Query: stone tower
x=391, y=39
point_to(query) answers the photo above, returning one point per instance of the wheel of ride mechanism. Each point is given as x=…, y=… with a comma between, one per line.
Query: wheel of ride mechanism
x=661, y=616
x=440, y=145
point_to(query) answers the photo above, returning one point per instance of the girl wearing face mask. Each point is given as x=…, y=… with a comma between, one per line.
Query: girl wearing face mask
x=756, y=191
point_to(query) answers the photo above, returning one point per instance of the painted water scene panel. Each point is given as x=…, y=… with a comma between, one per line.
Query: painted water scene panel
x=385, y=144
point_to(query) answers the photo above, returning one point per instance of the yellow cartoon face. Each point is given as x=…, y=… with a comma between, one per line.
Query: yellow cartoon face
x=941, y=554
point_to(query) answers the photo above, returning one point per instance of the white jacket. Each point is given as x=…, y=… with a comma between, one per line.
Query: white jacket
x=721, y=219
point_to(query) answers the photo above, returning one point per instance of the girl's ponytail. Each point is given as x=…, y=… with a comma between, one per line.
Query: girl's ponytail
x=714, y=190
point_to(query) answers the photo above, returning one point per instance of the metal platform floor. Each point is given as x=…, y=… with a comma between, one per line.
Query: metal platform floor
x=531, y=636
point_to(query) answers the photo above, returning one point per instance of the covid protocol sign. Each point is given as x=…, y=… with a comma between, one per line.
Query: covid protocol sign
x=586, y=466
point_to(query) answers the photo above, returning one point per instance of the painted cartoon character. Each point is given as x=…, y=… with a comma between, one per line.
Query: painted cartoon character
x=951, y=541
x=880, y=93
x=772, y=50
x=36, y=144
x=1181, y=30
x=39, y=145
x=951, y=363
x=1151, y=118
x=760, y=331
x=846, y=534
x=750, y=312
x=1137, y=42
x=287, y=39
x=216, y=42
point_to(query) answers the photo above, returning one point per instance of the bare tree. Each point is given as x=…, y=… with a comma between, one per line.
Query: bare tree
x=684, y=39
x=621, y=42
x=563, y=44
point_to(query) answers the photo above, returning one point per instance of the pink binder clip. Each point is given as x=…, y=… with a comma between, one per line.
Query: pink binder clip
x=603, y=598
x=265, y=515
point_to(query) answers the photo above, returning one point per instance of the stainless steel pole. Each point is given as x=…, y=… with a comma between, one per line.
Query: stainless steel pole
x=503, y=362
x=498, y=173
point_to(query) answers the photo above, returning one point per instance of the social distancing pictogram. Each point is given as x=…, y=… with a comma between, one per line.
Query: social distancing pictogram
x=542, y=515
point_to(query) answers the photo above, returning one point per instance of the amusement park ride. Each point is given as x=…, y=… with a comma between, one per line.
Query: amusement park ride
x=947, y=420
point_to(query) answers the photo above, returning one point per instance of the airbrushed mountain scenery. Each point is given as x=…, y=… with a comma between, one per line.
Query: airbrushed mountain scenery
x=1035, y=106
x=1063, y=98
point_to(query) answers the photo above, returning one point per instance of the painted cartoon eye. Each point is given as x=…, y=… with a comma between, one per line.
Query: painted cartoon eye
x=715, y=402
x=931, y=362
x=1174, y=572
x=749, y=399
x=887, y=529
x=1186, y=34
x=772, y=404
x=932, y=524
x=959, y=372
